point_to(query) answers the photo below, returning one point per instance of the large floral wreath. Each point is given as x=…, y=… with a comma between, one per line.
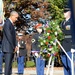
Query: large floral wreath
x=48, y=42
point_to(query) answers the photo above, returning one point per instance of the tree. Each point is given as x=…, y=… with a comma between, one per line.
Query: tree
x=52, y=7
x=45, y=9
x=56, y=8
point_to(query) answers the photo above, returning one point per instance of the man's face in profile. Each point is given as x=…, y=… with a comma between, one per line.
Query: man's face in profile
x=14, y=17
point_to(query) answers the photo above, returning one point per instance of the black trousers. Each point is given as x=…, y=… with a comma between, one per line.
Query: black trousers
x=8, y=62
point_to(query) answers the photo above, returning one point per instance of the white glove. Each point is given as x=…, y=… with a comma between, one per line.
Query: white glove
x=36, y=54
x=72, y=50
x=17, y=51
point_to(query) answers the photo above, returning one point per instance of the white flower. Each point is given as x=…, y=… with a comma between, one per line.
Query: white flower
x=58, y=27
x=54, y=43
x=44, y=28
x=41, y=43
x=48, y=33
x=50, y=49
x=53, y=23
x=51, y=42
x=44, y=41
x=56, y=33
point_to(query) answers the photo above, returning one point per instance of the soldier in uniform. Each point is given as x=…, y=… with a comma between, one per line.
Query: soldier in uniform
x=67, y=41
x=40, y=62
x=21, y=54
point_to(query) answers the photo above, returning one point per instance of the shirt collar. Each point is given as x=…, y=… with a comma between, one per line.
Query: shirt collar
x=11, y=21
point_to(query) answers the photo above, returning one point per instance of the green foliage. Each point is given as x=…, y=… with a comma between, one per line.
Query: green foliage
x=14, y=64
x=30, y=64
x=56, y=9
x=59, y=3
x=27, y=64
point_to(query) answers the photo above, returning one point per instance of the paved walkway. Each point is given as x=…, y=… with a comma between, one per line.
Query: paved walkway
x=32, y=71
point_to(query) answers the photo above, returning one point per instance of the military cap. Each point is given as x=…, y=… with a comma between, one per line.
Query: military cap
x=20, y=34
x=66, y=8
x=39, y=25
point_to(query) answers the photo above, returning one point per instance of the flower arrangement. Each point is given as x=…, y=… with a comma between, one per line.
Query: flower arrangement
x=48, y=42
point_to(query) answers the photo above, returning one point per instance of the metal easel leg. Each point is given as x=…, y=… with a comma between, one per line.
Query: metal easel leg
x=52, y=67
x=49, y=65
x=72, y=63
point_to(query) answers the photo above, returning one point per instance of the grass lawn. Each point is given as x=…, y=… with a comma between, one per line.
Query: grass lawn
x=27, y=64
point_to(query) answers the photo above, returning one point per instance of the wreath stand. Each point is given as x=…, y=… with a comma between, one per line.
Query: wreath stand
x=50, y=66
x=51, y=63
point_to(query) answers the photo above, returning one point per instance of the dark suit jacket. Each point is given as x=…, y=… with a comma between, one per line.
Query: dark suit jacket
x=9, y=37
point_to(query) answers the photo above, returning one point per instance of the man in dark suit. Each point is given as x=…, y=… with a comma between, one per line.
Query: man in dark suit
x=9, y=41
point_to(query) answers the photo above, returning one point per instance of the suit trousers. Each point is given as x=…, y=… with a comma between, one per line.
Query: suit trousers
x=20, y=61
x=40, y=64
x=8, y=62
x=66, y=64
